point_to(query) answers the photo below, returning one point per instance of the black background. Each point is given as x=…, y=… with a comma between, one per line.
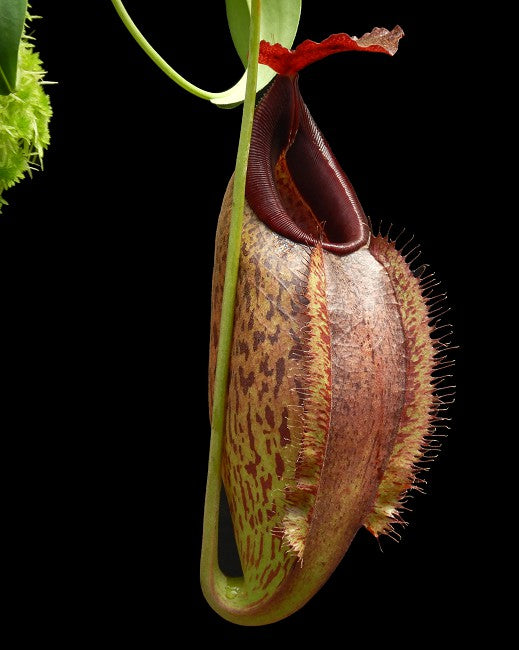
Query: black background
x=107, y=259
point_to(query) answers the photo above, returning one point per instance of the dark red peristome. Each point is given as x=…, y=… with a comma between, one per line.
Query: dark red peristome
x=283, y=125
x=289, y=62
x=288, y=150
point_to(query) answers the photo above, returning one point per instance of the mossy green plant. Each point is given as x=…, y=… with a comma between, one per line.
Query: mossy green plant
x=24, y=121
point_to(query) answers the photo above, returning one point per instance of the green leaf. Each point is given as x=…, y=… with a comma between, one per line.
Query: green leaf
x=238, y=17
x=279, y=22
x=12, y=17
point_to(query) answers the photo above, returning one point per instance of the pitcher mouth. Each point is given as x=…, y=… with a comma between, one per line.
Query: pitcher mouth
x=294, y=183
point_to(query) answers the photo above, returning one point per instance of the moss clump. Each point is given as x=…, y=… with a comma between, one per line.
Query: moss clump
x=24, y=122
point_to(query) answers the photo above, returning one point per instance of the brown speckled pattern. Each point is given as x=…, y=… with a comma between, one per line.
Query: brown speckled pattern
x=263, y=414
x=370, y=379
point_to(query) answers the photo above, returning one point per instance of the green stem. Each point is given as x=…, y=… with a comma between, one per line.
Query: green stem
x=213, y=580
x=156, y=58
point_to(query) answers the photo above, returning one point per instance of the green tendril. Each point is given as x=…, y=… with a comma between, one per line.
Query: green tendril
x=157, y=59
x=209, y=561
